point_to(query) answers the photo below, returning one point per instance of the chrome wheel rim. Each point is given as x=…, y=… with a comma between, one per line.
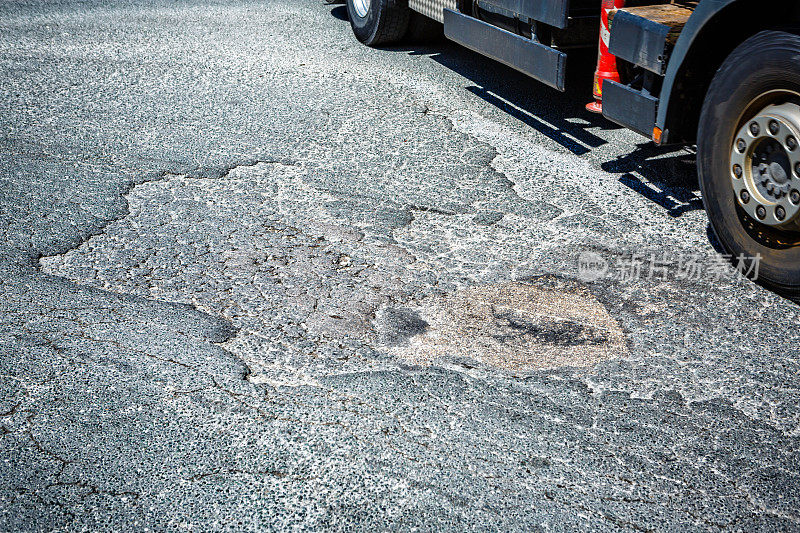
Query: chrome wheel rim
x=361, y=7
x=765, y=166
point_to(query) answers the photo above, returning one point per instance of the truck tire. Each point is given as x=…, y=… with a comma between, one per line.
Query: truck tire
x=377, y=22
x=748, y=159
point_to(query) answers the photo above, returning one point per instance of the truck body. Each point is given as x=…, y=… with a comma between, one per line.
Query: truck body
x=723, y=75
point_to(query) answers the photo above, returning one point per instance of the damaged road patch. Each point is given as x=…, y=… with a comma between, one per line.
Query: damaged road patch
x=513, y=325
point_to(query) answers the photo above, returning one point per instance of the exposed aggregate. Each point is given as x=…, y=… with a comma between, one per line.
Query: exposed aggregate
x=240, y=255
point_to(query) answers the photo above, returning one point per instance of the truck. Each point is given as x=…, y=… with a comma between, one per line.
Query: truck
x=721, y=76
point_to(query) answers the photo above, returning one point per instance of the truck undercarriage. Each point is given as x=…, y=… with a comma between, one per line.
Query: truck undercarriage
x=723, y=75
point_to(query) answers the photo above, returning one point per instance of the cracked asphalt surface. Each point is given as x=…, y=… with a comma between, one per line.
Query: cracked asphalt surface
x=257, y=276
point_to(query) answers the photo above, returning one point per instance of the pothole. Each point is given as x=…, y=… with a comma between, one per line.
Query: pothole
x=514, y=326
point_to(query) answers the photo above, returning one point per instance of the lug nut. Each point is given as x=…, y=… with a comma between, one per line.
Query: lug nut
x=797, y=169
x=774, y=127
x=755, y=129
x=741, y=145
x=737, y=170
x=791, y=143
x=761, y=212
x=794, y=196
x=745, y=196
x=780, y=213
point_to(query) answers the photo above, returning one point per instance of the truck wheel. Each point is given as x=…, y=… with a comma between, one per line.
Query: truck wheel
x=376, y=22
x=748, y=158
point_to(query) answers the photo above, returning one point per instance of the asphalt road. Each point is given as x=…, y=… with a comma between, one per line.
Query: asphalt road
x=258, y=276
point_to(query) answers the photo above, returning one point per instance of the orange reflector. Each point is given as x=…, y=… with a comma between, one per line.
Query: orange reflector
x=657, y=135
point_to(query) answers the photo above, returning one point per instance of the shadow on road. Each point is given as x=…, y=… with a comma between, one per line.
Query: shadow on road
x=559, y=116
x=340, y=12
x=665, y=176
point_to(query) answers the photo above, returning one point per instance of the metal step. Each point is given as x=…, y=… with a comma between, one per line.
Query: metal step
x=534, y=59
x=629, y=107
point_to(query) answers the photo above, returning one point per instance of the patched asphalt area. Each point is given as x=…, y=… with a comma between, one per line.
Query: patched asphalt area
x=257, y=276
x=513, y=326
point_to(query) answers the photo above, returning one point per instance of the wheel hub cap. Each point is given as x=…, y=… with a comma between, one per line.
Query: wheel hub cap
x=765, y=166
x=771, y=169
x=362, y=7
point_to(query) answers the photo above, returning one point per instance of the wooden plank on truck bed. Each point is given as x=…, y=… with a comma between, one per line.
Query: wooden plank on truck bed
x=670, y=15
